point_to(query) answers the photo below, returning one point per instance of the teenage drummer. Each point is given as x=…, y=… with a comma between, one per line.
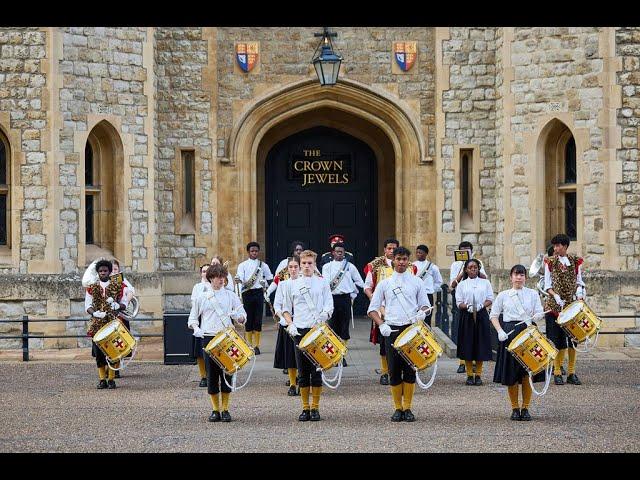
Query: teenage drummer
x=406, y=301
x=473, y=296
x=520, y=307
x=215, y=308
x=563, y=282
x=307, y=301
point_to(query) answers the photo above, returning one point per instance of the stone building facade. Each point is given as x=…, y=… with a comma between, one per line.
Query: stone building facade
x=161, y=135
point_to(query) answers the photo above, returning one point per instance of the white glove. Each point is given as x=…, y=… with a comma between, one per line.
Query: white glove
x=110, y=300
x=385, y=330
x=538, y=316
x=470, y=308
x=580, y=293
x=421, y=315
x=198, y=332
x=502, y=336
x=115, y=306
x=324, y=316
x=99, y=314
x=528, y=321
x=558, y=300
x=292, y=330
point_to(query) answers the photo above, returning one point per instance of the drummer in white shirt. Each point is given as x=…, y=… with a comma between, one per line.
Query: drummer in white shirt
x=428, y=272
x=520, y=307
x=216, y=307
x=405, y=298
x=306, y=302
x=253, y=274
x=343, y=278
x=198, y=289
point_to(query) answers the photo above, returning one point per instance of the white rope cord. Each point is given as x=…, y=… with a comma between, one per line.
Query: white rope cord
x=123, y=363
x=547, y=381
x=234, y=377
x=427, y=385
x=329, y=381
x=588, y=344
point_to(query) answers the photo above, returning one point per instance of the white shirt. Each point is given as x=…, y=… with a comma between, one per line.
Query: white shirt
x=399, y=308
x=199, y=288
x=295, y=304
x=283, y=264
x=433, y=277
x=368, y=281
x=456, y=268
x=474, y=291
x=565, y=261
x=507, y=305
x=246, y=269
x=230, y=307
x=88, y=298
x=278, y=301
x=350, y=280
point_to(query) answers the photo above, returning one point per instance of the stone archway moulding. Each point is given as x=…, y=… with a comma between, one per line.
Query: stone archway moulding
x=375, y=106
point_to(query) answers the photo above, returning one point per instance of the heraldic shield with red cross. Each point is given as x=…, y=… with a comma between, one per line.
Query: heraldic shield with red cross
x=538, y=352
x=234, y=352
x=247, y=55
x=119, y=343
x=585, y=324
x=424, y=350
x=405, y=54
x=329, y=349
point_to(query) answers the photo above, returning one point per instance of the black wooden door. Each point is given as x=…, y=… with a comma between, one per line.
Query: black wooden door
x=319, y=182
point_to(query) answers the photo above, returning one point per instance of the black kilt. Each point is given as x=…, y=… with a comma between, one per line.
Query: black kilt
x=285, y=355
x=474, y=338
x=508, y=370
x=198, y=346
x=556, y=334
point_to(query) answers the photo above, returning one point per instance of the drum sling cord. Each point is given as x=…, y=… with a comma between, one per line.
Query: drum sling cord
x=304, y=291
x=398, y=289
x=123, y=364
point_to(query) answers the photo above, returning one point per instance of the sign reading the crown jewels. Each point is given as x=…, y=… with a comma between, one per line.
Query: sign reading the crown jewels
x=314, y=167
x=247, y=55
x=405, y=54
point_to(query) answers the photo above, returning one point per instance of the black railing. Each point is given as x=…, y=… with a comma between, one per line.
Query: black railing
x=26, y=335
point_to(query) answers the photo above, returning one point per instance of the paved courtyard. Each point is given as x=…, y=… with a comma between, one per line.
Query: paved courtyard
x=51, y=405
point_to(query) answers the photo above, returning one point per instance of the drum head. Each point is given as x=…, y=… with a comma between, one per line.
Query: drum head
x=310, y=337
x=219, y=338
x=406, y=336
x=521, y=338
x=570, y=312
x=105, y=331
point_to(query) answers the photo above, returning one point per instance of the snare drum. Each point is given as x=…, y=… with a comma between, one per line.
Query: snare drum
x=418, y=346
x=323, y=347
x=229, y=350
x=579, y=321
x=114, y=340
x=532, y=350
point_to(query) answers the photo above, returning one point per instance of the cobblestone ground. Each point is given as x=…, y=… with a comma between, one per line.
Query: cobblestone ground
x=53, y=406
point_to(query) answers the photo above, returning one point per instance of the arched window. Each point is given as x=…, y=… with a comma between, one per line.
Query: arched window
x=5, y=192
x=570, y=207
x=92, y=194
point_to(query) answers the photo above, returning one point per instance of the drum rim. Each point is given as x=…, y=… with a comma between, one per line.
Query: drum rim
x=522, y=337
x=313, y=334
x=108, y=329
x=404, y=334
x=577, y=303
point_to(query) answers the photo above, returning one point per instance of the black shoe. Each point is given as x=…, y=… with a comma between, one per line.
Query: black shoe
x=384, y=379
x=524, y=415
x=285, y=371
x=397, y=416
x=256, y=350
x=470, y=381
x=573, y=379
x=478, y=381
x=203, y=382
x=557, y=379
x=305, y=416
x=225, y=417
x=292, y=391
x=344, y=362
x=117, y=373
x=112, y=384
x=314, y=415
x=515, y=414
x=102, y=385
x=408, y=416
x=562, y=370
x=461, y=369
x=215, y=416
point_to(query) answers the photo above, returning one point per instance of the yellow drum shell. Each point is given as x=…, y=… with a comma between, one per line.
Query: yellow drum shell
x=323, y=347
x=532, y=349
x=418, y=346
x=579, y=321
x=229, y=350
x=114, y=340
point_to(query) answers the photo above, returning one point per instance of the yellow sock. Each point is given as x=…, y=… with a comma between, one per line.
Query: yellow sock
x=557, y=363
x=256, y=338
x=407, y=395
x=572, y=361
x=513, y=395
x=201, y=367
x=479, y=364
x=526, y=393
x=215, y=402
x=384, y=367
x=468, y=366
x=304, y=396
x=461, y=362
x=112, y=373
x=315, y=397
x=102, y=375
x=396, y=393
x=225, y=400
x=249, y=337
x=293, y=374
